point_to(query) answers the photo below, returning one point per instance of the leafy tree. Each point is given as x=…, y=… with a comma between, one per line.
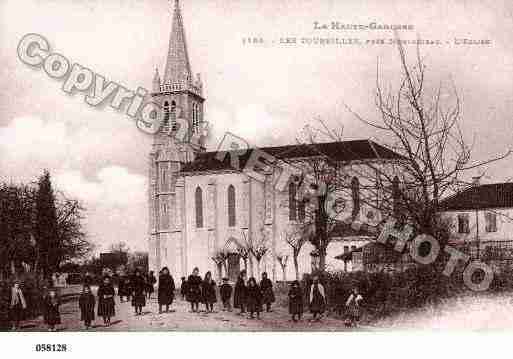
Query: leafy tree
x=46, y=229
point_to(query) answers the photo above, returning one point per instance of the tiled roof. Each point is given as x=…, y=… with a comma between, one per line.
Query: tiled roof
x=337, y=151
x=494, y=195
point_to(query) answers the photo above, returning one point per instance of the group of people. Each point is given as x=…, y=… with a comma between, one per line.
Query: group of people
x=316, y=297
x=135, y=287
x=248, y=297
x=18, y=305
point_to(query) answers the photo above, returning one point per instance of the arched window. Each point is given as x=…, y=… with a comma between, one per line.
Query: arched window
x=292, y=202
x=231, y=206
x=165, y=124
x=173, y=116
x=395, y=195
x=355, y=194
x=301, y=211
x=198, y=197
x=164, y=222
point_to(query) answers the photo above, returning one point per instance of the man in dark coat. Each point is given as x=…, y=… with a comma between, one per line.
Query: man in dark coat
x=166, y=290
x=239, y=295
x=266, y=286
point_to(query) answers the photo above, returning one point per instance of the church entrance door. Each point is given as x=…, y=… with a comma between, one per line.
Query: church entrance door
x=233, y=266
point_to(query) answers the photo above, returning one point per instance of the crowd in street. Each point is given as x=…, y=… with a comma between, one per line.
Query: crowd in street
x=248, y=297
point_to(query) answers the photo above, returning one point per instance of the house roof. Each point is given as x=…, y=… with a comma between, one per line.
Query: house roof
x=494, y=195
x=338, y=151
x=373, y=252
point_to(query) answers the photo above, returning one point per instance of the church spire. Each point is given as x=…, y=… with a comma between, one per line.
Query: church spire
x=178, y=69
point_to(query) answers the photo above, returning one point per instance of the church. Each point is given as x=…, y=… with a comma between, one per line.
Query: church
x=200, y=205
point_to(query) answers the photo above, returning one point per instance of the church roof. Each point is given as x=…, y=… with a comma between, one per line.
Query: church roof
x=178, y=68
x=492, y=195
x=342, y=151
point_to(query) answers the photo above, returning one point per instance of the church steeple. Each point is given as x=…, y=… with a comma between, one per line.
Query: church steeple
x=178, y=68
x=178, y=93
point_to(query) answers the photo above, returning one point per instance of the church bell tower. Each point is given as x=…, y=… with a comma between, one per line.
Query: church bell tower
x=178, y=141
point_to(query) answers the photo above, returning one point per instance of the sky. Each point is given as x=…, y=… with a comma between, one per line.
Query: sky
x=265, y=92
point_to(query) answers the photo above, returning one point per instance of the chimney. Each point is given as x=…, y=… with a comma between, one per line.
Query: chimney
x=476, y=181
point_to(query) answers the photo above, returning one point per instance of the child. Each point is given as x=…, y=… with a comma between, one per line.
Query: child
x=122, y=288
x=295, y=301
x=86, y=303
x=51, y=313
x=208, y=292
x=266, y=286
x=151, y=284
x=317, y=299
x=253, y=298
x=139, y=287
x=183, y=288
x=226, y=294
x=194, y=290
x=353, y=306
x=106, y=306
x=17, y=305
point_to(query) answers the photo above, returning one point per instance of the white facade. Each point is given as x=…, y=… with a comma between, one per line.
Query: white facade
x=183, y=236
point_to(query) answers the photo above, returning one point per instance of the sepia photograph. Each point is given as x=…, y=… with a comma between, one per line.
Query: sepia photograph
x=275, y=166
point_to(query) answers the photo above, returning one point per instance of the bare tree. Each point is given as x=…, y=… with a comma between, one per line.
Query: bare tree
x=259, y=248
x=283, y=261
x=244, y=250
x=220, y=256
x=423, y=125
x=296, y=239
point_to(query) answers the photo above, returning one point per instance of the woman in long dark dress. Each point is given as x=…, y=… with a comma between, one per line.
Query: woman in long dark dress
x=51, y=313
x=266, y=286
x=151, y=284
x=139, y=287
x=166, y=290
x=106, y=305
x=253, y=298
x=295, y=301
x=239, y=294
x=194, y=290
x=208, y=290
x=86, y=302
x=317, y=299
